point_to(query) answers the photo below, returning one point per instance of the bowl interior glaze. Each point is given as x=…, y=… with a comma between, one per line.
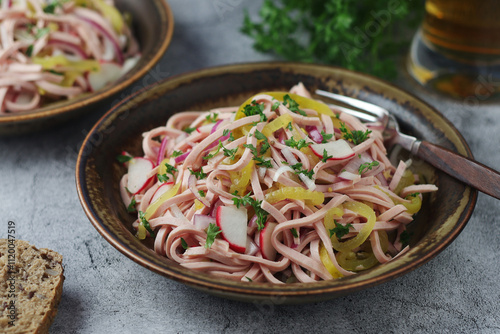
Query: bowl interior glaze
x=444, y=213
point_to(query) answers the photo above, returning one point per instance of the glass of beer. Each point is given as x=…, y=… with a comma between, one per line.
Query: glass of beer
x=457, y=48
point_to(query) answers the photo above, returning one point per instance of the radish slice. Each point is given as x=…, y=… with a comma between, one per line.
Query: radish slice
x=265, y=244
x=216, y=205
x=233, y=225
x=110, y=72
x=202, y=221
x=138, y=174
x=336, y=150
x=205, y=128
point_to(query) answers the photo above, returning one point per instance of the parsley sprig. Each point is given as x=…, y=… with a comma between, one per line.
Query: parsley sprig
x=334, y=32
x=367, y=166
x=356, y=136
x=256, y=205
x=326, y=156
x=212, y=231
x=170, y=170
x=297, y=144
x=292, y=105
x=260, y=161
x=199, y=174
x=144, y=222
x=255, y=108
x=298, y=170
x=340, y=230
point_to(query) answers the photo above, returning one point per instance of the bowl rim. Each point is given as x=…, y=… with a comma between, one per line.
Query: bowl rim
x=256, y=290
x=94, y=97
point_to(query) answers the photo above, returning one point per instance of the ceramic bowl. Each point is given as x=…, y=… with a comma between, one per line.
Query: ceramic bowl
x=153, y=26
x=442, y=218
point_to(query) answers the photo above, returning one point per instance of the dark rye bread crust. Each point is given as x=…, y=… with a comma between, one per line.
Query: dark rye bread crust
x=37, y=282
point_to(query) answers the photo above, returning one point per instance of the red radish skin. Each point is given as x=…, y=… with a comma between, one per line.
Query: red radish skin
x=138, y=170
x=336, y=150
x=233, y=225
x=266, y=247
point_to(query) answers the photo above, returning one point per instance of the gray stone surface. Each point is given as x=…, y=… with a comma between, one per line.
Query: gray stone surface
x=105, y=292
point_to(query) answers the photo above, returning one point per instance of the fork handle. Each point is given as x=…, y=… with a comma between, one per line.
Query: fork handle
x=464, y=169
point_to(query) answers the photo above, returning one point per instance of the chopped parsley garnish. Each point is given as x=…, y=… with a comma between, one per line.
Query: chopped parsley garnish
x=231, y=154
x=294, y=232
x=297, y=144
x=42, y=32
x=202, y=193
x=256, y=205
x=225, y=132
x=231, y=137
x=255, y=109
x=326, y=156
x=292, y=105
x=367, y=166
x=177, y=153
x=275, y=105
x=248, y=278
x=265, y=145
x=298, y=170
x=199, y=174
x=412, y=195
x=326, y=136
x=211, y=155
x=289, y=126
x=405, y=238
x=170, y=170
x=189, y=130
x=212, y=117
x=212, y=232
x=260, y=161
x=184, y=244
x=123, y=158
x=144, y=222
x=356, y=136
x=29, y=50
x=131, y=206
x=339, y=230
x=162, y=177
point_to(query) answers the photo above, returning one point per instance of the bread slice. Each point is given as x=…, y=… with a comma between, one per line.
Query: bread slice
x=31, y=282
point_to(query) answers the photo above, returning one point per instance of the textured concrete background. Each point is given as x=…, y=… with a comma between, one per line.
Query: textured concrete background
x=105, y=292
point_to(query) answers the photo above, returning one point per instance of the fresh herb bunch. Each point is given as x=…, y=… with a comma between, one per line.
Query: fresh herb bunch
x=361, y=35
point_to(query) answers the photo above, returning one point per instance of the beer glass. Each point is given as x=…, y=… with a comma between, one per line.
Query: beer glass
x=457, y=48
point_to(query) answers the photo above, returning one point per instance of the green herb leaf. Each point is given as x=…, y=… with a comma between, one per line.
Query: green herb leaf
x=189, y=130
x=367, y=166
x=199, y=174
x=326, y=137
x=336, y=32
x=289, y=126
x=145, y=223
x=340, y=230
x=184, y=244
x=294, y=232
x=212, y=117
x=162, y=177
x=255, y=109
x=131, y=206
x=405, y=238
x=202, y=193
x=356, y=136
x=123, y=158
x=326, y=156
x=231, y=138
x=292, y=105
x=248, y=278
x=297, y=144
x=212, y=231
x=177, y=153
x=256, y=205
x=298, y=170
x=29, y=50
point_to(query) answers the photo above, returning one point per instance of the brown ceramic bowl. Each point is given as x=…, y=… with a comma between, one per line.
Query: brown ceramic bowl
x=442, y=218
x=153, y=26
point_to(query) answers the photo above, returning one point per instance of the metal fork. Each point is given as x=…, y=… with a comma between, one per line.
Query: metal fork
x=464, y=169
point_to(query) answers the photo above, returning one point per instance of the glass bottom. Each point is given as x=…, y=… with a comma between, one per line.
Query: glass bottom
x=448, y=75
